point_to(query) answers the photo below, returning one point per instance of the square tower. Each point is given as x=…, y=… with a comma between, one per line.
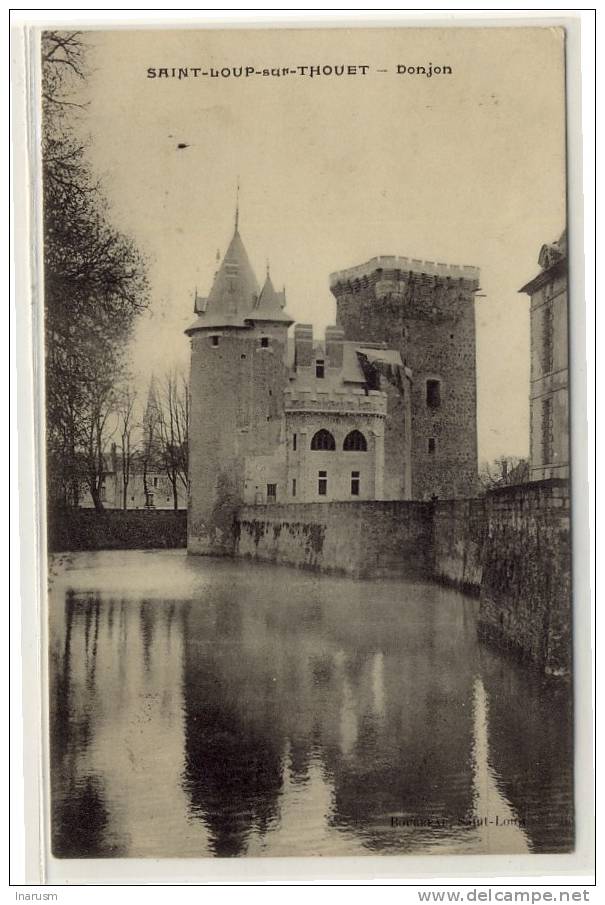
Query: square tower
x=426, y=310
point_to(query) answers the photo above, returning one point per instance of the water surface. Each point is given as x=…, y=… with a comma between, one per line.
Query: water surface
x=206, y=707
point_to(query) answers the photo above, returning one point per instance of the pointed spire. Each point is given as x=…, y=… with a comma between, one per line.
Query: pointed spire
x=237, y=206
x=271, y=304
x=234, y=289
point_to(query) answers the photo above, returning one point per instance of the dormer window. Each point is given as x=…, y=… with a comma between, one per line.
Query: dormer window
x=320, y=369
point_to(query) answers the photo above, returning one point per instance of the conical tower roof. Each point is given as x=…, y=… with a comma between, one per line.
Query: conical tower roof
x=235, y=288
x=270, y=305
x=234, y=291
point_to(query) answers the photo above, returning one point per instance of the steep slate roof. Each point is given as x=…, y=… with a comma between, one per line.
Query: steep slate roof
x=552, y=261
x=270, y=305
x=234, y=299
x=234, y=290
x=352, y=371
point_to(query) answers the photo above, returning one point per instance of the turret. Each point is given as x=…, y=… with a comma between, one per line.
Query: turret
x=238, y=375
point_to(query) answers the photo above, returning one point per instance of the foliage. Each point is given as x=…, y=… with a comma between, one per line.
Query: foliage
x=504, y=471
x=94, y=284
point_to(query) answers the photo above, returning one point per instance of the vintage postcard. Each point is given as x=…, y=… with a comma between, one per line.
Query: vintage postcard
x=306, y=442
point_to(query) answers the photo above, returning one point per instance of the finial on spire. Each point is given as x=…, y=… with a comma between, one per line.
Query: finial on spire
x=237, y=205
x=268, y=268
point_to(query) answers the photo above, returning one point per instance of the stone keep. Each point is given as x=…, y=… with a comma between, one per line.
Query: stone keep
x=238, y=372
x=427, y=311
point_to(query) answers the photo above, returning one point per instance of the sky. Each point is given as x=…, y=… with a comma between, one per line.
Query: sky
x=467, y=168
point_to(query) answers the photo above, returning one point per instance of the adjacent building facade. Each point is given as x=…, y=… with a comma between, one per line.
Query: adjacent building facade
x=549, y=378
x=345, y=417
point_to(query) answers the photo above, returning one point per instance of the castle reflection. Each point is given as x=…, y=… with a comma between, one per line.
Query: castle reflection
x=226, y=709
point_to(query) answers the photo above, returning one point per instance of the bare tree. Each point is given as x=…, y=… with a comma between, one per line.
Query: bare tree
x=173, y=430
x=151, y=449
x=96, y=433
x=125, y=409
x=504, y=471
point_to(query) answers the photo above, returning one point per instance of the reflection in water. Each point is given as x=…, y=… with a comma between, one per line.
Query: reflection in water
x=209, y=707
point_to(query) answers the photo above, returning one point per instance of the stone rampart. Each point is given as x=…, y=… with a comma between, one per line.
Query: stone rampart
x=513, y=548
x=510, y=547
x=363, y=539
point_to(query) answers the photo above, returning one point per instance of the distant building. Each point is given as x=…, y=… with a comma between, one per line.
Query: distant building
x=349, y=418
x=549, y=380
x=146, y=489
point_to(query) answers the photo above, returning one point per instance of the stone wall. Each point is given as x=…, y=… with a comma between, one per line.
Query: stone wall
x=430, y=319
x=526, y=580
x=362, y=538
x=115, y=529
x=513, y=548
x=460, y=528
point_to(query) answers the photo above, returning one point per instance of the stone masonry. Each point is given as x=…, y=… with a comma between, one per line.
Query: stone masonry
x=427, y=311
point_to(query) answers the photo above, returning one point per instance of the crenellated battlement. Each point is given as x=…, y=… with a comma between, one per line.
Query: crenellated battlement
x=338, y=400
x=406, y=265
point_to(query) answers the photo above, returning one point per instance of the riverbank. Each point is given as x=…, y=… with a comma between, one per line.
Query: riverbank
x=116, y=529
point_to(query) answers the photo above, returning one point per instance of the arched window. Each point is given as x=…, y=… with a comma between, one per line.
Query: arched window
x=355, y=442
x=323, y=439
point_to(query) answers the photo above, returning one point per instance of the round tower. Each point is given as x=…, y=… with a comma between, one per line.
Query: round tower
x=237, y=380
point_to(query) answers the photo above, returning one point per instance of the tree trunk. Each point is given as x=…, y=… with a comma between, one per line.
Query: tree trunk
x=96, y=498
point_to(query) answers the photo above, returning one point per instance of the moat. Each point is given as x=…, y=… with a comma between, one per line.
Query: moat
x=211, y=707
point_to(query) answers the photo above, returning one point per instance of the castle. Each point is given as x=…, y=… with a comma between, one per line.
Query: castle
x=383, y=408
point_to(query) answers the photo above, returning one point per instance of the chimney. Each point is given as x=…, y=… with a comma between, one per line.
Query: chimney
x=334, y=346
x=303, y=345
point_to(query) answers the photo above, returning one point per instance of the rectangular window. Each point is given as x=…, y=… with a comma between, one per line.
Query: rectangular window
x=293, y=486
x=103, y=493
x=547, y=431
x=155, y=482
x=271, y=493
x=320, y=368
x=264, y=342
x=432, y=445
x=354, y=483
x=433, y=394
x=214, y=340
x=294, y=442
x=547, y=337
x=150, y=500
x=322, y=483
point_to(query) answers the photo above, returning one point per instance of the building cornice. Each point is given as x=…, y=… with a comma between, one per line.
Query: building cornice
x=545, y=276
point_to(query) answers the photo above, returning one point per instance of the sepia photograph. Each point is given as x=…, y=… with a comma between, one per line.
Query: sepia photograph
x=306, y=443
